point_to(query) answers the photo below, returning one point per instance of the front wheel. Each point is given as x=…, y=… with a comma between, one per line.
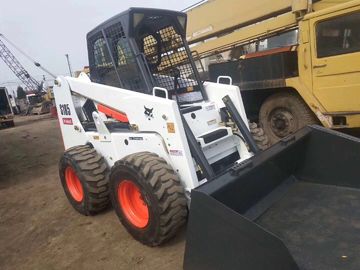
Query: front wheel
x=148, y=197
x=282, y=114
x=84, y=177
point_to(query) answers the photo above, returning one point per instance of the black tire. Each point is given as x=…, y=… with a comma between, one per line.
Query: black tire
x=10, y=124
x=161, y=191
x=282, y=114
x=91, y=169
x=259, y=136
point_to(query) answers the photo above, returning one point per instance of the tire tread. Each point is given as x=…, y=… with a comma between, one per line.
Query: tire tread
x=95, y=175
x=167, y=189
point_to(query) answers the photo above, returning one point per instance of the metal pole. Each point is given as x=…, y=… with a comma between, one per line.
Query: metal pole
x=234, y=114
x=68, y=61
x=197, y=152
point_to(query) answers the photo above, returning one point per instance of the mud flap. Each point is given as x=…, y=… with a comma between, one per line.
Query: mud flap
x=225, y=228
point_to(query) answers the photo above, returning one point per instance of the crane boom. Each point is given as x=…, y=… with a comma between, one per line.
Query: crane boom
x=231, y=23
x=15, y=66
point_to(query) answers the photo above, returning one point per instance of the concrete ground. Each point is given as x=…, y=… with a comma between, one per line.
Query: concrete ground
x=38, y=227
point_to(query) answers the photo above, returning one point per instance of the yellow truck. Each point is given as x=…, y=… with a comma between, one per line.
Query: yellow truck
x=297, y=62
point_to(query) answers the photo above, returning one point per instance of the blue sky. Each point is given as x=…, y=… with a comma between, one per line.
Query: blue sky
x=47, y=30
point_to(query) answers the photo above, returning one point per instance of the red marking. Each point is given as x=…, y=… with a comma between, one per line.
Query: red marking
x=269, y=52
x=67, y=121
x=132, y=204
x=113, y=114
x=53, y=112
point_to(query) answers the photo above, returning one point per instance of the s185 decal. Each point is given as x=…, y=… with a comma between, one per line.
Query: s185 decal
x=64, y=109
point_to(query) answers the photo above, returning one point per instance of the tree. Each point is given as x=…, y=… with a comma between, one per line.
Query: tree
x=20, y=93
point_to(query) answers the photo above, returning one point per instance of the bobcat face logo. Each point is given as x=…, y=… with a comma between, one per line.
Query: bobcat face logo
x=149, y=112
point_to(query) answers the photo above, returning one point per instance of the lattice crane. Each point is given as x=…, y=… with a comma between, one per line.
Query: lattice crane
x=17, y=68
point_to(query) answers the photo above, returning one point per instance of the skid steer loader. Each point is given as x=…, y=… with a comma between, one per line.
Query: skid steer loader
x=145, y=130
x=147, y=133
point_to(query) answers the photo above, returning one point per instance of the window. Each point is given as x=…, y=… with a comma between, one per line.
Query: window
x=121, y=55
x=282, y=40
x=101, y=54
x=150, y=49
x=339, y=35
x=112, y=60
x=123, y=52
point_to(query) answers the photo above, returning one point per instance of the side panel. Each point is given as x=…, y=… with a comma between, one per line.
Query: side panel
x=122, y=144
x=260, y=72
x=216, y=92
x=146, y=113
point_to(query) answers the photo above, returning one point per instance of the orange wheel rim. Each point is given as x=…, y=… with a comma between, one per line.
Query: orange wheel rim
x=132, y=204
x=73, y=184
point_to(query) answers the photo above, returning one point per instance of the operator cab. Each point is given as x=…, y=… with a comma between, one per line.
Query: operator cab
x=142, y=48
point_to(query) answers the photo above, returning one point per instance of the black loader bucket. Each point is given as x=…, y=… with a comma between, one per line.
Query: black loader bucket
x=293, y=206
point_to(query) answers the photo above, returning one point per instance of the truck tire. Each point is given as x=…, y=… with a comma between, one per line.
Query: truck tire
x=148, y=197
x=259, y=136
x=85, y=178
x=282, y=114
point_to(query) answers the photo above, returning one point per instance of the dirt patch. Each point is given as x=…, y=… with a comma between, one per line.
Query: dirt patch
x=38, y=227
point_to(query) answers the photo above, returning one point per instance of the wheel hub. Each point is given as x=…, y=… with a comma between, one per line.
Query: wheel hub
x=282, y=122
x=133, y=204
x=73, y=184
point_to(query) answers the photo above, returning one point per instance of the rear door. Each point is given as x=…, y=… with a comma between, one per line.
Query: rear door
x=336, y=60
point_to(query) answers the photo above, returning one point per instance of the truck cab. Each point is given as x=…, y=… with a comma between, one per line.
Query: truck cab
x=330, y=39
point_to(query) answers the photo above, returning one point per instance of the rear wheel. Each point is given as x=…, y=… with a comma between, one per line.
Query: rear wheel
x=85, y=179
x=148, y=197
x=283, y=114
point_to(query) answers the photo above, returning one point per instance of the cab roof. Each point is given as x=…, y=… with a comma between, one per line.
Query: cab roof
x=125, y=18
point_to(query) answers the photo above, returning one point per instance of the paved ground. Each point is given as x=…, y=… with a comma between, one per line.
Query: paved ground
x=38, y=227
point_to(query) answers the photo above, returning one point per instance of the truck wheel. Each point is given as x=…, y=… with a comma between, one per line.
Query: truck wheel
x=148, y=197
x=85, y=178
x=259, y=136
x=282, y=114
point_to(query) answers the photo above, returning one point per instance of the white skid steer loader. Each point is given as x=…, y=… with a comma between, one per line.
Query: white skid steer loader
x=145, y=131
